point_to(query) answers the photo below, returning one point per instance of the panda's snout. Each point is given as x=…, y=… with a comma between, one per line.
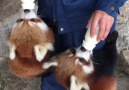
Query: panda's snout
x=26, y=10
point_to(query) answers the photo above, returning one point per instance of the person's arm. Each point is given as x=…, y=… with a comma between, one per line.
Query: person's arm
x=105, y=11
x=109, y=6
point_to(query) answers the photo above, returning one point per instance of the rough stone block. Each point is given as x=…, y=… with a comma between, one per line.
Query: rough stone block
x=8, y=7
x=125, y=59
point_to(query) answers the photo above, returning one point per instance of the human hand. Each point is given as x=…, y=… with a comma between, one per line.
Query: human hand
x=105, y=22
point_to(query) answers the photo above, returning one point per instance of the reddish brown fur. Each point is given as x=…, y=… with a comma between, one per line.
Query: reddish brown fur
x=105, y=83
x=24, y=38
x=27, y=68
x=67, y=67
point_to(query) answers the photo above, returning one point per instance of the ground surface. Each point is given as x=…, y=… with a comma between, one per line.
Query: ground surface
x=10, y=82
x=122, y=76
x=8, y=7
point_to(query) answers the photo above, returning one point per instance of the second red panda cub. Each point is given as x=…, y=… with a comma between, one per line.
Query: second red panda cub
x=30, y=42
x=75, y=69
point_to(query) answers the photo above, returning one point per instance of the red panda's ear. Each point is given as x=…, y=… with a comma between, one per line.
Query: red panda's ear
x=83, y=49
x=105, y=83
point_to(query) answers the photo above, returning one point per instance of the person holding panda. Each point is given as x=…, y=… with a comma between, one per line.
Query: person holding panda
x=70, y=20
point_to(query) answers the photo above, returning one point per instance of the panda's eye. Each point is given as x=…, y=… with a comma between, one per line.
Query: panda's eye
x=82, y=60
x=19, y=20
x=33, y=20
x=83, y=49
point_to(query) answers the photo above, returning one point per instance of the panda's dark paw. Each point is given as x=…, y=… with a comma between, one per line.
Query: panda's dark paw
x=111, y=39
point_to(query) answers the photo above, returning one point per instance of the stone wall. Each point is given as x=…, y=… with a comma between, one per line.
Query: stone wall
x=123, y=27
x=8, y=14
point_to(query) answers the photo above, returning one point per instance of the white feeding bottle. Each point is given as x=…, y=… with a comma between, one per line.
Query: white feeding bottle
x=90, y=43
x=28, y=4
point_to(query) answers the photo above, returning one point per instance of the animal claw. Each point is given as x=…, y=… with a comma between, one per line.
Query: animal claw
x=39, y=58
x=12, y=56
x=49, y=64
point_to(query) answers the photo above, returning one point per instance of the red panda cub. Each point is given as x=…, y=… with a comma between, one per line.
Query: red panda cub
x=30, y=42
x=74, y=69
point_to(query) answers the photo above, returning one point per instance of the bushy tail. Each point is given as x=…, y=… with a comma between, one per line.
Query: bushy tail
x=105, y=83
x=107, y=57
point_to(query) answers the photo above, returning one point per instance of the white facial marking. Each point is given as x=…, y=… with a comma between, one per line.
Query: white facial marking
x=20, y=23
x=14, y=26
x=17, y=25
x=28, y=15
x=46, y=65
x=42, y=25
x=31, y=23
x=78, y=62
x=85, y=55
x=88, y=69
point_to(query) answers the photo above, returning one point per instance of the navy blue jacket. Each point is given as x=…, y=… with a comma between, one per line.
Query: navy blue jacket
x=76, y=12
x=71, y=17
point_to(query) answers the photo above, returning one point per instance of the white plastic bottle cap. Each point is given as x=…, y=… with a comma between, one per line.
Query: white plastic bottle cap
x=90, y=43
x=28, y=4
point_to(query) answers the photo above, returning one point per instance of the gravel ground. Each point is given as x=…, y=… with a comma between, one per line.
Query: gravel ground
x=10, y=82
x=122, y=76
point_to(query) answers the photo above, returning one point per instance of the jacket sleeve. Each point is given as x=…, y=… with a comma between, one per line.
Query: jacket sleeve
x=109, y=6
